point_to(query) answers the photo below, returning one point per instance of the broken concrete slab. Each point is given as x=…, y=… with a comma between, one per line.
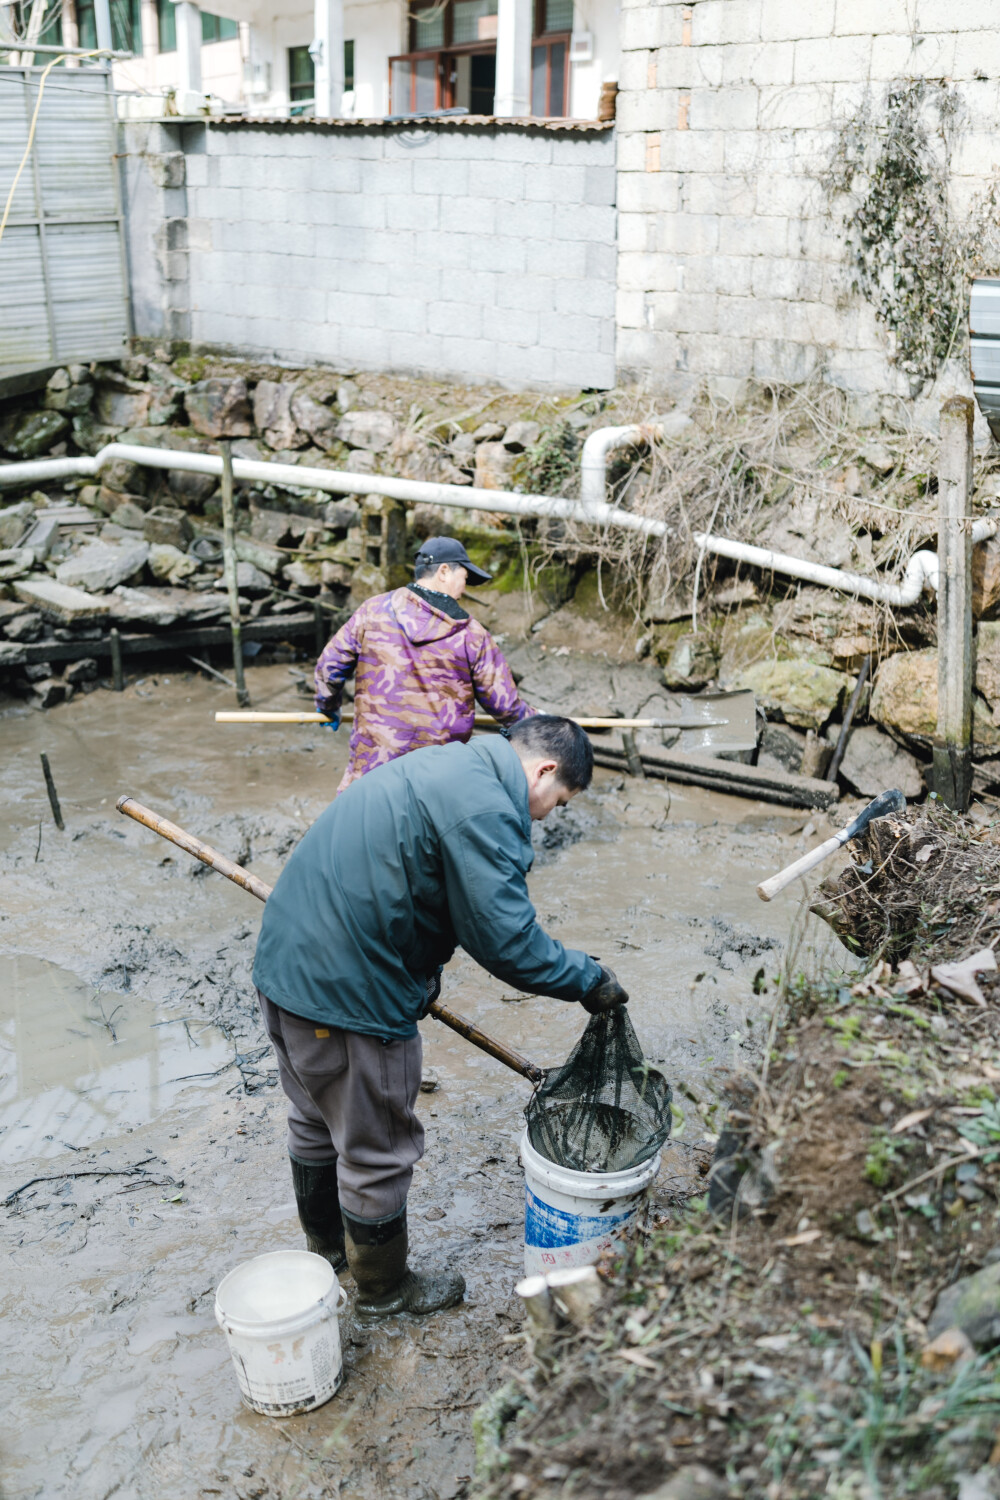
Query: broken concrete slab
x=14, y=522
x=58, y=601
x=873, y=761
x=101, y=565
x=167, y=525
x=24, y=627
x=269, y=559
x=251, y=580
x=15, y=562
x=163, y=607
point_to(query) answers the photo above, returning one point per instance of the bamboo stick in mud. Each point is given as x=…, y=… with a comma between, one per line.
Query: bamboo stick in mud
x=229, y=570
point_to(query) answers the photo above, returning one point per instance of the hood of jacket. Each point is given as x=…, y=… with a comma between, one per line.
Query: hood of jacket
x=419, y=621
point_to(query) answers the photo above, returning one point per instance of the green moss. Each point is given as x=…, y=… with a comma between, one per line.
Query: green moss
x=840, y=1078
x=880, y=1159
x=190, y=367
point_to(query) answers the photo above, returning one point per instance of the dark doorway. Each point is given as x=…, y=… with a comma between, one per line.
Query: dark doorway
x=482, y=83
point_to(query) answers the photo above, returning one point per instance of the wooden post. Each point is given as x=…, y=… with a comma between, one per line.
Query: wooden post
x=229, y=570
x=952, y=766
x=117, y=671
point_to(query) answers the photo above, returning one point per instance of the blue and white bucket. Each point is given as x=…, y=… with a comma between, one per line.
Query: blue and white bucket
x=572, y=1218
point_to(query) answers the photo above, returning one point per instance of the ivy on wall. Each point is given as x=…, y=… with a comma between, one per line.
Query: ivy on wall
x=909, y=258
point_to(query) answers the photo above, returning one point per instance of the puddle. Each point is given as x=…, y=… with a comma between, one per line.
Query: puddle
x=80, y=1065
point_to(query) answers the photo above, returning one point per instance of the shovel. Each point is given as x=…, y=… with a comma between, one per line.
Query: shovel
x=257, y=887
x=716, y=722
x=885, y=802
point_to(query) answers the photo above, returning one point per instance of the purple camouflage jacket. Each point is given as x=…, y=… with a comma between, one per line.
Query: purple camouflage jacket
x=419, y=676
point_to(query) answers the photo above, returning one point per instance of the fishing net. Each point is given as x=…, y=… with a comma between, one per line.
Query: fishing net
x=605, y=1109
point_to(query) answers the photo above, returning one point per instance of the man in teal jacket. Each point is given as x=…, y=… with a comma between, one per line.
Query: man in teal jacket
x=422, y=855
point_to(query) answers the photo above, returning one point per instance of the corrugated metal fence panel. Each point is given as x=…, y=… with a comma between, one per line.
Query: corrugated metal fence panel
x=85, y=281
x=74, y=144
x=13, y=139
x=63, y=294
x=24, y=323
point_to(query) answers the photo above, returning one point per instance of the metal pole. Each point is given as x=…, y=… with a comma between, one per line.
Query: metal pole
x=229, y=569
x=952, y=764
x=845, y=728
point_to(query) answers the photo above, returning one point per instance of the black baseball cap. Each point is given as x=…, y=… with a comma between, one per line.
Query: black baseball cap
x=444, y=549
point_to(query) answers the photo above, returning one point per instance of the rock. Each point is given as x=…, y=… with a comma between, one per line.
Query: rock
x=167, y=395
x=163, y=607
x=904, y=696
x=166, y=525
x=306, y=576
x=361, y=462
x=99, y=566
x=10, y=609
x=219, y=408
x=50, y=691
x=372, y=430
x=318, y=420
x=365, y=583
x=14, y=522
x=128, y=515
x=786, y=745
x=124, y=478
x=31, y=434
x=693, y=661
x=72, y=399
x=336, y=574
x=81, y=671
x=692, y=1482
x=803, y=693
x=275, y=527
x=488, y=432
x=463, y=449
x=57, y=601
x=873, y=761
x=192, y=490
x=59, y=380
x=429, y=1082
x=878, y=457
x=341, y=515
x=170, y=563
x=348, y=395
x=494, y=467
x=122, y=408
x=971, y=1305
x=986, y=579
x=272, y=414
x=15, y=562
x=11, y=654
x=521, y=435
x=91, y=435
x=250, y=580
x=269, y=559
x=988, y=662
x=26, y=627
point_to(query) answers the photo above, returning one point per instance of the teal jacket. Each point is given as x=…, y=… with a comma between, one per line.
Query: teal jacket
x=420, y=856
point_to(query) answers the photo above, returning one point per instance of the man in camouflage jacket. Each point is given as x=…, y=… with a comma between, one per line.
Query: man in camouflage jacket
x=422, y=663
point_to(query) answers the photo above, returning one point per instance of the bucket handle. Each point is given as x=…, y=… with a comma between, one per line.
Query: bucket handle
x=341, y=1298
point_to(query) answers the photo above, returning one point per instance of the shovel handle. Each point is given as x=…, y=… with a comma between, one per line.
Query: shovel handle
x=885, y=802
x=259, y=888
x=482, y=721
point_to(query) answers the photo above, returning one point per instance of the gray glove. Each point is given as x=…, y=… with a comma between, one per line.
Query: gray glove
x=605, y=995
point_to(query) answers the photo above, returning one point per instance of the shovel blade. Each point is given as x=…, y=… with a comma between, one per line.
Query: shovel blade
x=715, y=723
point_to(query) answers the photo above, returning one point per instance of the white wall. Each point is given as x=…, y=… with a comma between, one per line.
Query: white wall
x=601, y=19
x=222, y=64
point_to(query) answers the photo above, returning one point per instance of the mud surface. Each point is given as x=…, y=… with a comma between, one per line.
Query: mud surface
x=153, y=1184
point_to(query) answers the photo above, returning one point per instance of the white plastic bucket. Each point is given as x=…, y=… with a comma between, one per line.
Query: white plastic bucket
x=571, y=1218
x=279, y=1314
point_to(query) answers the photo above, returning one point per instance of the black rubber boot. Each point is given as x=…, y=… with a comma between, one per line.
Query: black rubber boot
x=376, y=1255
x=315, y=1185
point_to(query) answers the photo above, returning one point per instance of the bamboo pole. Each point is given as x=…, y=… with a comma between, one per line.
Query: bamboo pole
x=229, y=569
x=259, y=888
x=952, y=750
x=483, y=721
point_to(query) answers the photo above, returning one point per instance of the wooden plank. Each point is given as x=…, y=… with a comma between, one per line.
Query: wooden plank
x=272, y=628
x=728, y=776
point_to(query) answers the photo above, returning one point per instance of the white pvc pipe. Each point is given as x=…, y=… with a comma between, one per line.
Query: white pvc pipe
x=594, y=460
x=921, y=571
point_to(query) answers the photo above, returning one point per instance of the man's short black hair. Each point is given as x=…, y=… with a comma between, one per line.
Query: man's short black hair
x=560, y=740
x=423, y=567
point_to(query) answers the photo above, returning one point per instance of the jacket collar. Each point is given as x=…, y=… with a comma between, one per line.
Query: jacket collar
x=510, y=773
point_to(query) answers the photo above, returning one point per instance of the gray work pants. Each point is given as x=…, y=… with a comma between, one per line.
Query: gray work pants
x=350, y=1100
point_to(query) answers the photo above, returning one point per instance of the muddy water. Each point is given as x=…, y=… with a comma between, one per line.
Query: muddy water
x=116, y=1380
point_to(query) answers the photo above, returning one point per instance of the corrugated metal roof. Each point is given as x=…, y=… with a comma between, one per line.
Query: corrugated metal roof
x=438, y=122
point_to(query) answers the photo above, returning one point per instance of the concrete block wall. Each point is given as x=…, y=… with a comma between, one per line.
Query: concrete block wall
x=463, y=253
x=730, y=264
